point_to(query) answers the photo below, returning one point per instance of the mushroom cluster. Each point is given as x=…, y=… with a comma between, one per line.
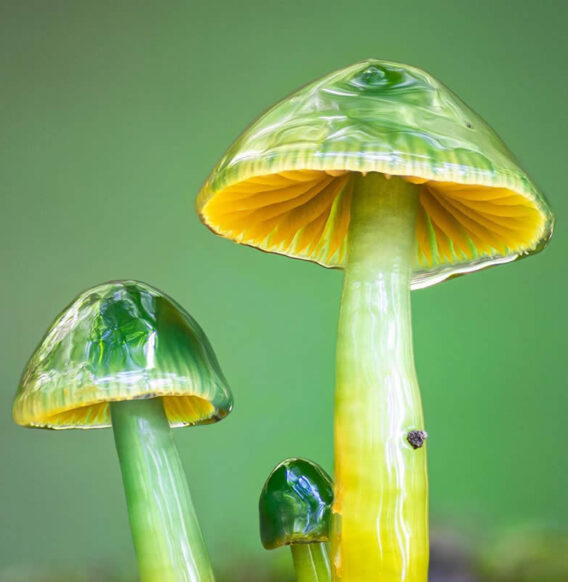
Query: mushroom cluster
x=377, y=169
x=380, y=170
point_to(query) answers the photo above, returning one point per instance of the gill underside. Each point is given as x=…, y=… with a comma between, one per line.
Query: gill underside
x=180, y=411
x=306, y=214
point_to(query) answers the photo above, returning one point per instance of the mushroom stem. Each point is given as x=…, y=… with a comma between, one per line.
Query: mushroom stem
x=311, y=562
x=380, y=513
x=167, y=538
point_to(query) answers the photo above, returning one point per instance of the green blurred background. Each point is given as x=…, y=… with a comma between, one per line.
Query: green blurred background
x=112, y=115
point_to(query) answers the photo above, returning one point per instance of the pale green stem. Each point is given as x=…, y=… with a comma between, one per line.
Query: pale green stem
x=167, y=538
x=311, y=562
x=380, y=522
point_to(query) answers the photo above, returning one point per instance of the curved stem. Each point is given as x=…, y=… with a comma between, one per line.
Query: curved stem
x=167, y=538
x=380, y=520
x=311, y=562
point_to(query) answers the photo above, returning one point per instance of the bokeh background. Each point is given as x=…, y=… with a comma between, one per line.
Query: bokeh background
x=112, y=115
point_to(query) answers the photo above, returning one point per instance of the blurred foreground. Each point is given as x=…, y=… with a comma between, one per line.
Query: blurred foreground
x=515, y=557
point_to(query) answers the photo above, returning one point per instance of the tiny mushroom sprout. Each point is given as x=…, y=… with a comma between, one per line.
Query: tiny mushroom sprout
x=295, y=510
x=125, y=355
x=380, y=170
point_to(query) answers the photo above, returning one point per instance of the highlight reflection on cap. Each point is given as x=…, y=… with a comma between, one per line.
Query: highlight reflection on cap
x=295, y=504
x=122, y=340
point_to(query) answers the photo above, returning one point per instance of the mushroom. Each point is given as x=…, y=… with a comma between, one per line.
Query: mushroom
x=295, y=509
x=125, y=354
x=380, y=170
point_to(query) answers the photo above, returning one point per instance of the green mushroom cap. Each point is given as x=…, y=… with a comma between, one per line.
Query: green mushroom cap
x=295, y=504
x=122, y=340
x=286, y=184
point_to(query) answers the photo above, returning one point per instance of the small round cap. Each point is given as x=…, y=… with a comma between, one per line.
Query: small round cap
x=285, y=185
x=122, y=340
x=295, y=504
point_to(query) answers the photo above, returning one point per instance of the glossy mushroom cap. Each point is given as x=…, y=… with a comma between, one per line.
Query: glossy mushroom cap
x=295, y=504
x=285, y=185
x=122, y=340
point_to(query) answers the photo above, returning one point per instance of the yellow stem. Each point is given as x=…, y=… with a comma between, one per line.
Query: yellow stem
x=380, y=514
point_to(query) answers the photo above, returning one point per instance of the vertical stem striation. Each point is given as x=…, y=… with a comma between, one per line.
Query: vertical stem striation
x=311, y=562
x=380, y=520
x=167, y=538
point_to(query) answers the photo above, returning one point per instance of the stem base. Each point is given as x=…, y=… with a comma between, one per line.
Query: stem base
x=311, y=562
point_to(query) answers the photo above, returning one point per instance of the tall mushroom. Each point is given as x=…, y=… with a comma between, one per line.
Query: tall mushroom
x=295, y=510
x=380, y=170
x=124, y=354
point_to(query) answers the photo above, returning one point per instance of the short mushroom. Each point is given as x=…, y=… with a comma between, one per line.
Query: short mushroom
x=380, y=170
x=295, y=510
x=124, y=354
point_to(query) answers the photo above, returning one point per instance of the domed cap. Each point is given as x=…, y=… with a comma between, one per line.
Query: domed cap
x=295, y=504
x=285, y=185
x=123, y=340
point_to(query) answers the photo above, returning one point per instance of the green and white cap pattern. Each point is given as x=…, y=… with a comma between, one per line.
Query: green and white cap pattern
x=122, y=340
